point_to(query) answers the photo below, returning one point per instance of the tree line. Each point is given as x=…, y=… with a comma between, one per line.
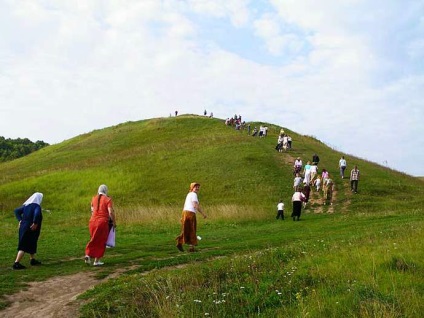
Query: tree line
x=15, y=148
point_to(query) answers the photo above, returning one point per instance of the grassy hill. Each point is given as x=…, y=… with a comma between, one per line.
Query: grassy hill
x=148, y=166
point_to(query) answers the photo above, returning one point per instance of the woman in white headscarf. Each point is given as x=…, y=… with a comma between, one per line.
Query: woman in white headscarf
x=101, y=214
x=30, y=218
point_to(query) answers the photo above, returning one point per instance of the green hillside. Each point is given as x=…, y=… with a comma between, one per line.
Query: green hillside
x=151, y=162
x=148, y=166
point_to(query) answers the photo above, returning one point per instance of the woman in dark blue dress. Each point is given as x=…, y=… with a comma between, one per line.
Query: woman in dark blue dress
x=30, y=218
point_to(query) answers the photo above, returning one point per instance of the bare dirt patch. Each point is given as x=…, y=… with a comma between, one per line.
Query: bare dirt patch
x=56, y=297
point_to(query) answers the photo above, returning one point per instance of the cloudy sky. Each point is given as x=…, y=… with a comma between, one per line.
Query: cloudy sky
x=350, y=73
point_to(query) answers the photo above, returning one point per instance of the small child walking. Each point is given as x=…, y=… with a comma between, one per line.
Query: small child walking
x=280, y=210
x=317, y=183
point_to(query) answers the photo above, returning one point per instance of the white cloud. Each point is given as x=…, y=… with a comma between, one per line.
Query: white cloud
x=68, y=69
x=235, y=10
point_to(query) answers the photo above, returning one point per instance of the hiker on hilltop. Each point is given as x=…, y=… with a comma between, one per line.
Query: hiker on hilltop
x=342, y=166
x=279, y=143
x=289, y=142
x=354, y=179
x=261, y=131
x=101, y=221
x=30, y=218
x=188, y=219
x=285, y=142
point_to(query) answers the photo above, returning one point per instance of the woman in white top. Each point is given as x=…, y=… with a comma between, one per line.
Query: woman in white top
x=314, y=171
x=188, y=220
x=297, y=199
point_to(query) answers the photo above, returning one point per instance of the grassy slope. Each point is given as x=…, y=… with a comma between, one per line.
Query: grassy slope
x=148, y=166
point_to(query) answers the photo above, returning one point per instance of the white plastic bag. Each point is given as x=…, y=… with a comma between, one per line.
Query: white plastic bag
x=111, y=238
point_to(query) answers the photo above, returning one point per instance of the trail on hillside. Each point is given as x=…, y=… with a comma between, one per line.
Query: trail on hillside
x=55, y=297
x=315, y=204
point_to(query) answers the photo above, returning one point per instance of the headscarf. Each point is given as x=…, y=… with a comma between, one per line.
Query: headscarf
x=192, y=185
x=36, y=198
x=103, y=189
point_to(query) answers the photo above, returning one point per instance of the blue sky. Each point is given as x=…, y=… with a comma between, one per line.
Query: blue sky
x=350, y=73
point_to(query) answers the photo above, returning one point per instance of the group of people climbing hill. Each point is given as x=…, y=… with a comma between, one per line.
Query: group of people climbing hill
x=307, y=177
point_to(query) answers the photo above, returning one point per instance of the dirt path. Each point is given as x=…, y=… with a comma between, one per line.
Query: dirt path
x=315, y=204
x=55, y=297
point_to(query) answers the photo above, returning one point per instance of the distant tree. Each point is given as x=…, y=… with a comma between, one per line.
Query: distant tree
x=11, y=149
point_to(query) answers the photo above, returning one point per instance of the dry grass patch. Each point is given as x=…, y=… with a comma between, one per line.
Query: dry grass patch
x=140, y=214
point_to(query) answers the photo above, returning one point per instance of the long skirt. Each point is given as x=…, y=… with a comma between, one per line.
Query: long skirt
x=28, y=239
x=297, y=209
x=188, y=229
x=99, y=231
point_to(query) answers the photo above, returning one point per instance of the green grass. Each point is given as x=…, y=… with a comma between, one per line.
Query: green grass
x=363, y=260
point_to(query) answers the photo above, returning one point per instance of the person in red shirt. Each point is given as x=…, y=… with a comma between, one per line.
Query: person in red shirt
x=102, y=217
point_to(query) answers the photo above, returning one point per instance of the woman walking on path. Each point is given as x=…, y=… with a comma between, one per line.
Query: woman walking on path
x=30, y=218
x=102, y=213
x=188, y=219
x=297, y=199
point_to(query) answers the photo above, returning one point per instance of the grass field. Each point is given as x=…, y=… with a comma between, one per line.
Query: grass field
x=361, y=257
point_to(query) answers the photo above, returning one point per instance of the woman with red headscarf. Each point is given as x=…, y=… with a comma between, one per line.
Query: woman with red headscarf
x=188, y=219
x=102, y=214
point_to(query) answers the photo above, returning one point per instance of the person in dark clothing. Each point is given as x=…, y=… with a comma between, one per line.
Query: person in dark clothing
x=306, y=191
x=30, y=218
x=315, y=159
x=297, y=199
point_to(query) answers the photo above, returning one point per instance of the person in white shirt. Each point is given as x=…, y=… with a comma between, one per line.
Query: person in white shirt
x=297, y=181
x=280, y=210
x=297, y=199
x=317, y=183
x=342, y=166
x=297, y=165
x=188, y=220
x=314, y=171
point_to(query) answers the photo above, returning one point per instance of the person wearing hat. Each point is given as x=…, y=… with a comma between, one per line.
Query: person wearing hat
x=188, y=219
x=102, y=213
